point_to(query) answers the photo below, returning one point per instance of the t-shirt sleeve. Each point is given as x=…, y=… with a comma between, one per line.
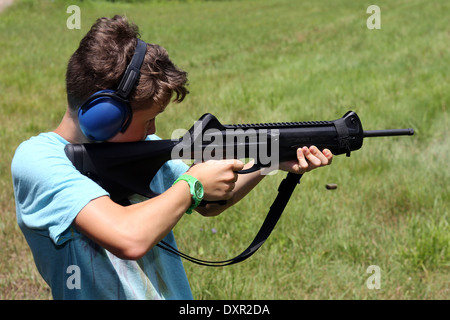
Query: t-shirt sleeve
x=49, y=190
x=168, y=173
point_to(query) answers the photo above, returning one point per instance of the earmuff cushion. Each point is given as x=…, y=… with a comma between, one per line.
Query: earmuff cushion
x=105, y=120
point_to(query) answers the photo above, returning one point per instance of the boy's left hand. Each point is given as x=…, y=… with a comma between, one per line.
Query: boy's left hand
x=308, y=159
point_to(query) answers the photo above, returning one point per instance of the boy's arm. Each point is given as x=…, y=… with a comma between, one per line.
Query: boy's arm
x=130, y=232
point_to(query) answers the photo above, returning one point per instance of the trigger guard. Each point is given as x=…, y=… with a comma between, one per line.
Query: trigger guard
x=254, y=168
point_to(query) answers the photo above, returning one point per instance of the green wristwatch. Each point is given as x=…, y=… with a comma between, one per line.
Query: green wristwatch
x=196, y=189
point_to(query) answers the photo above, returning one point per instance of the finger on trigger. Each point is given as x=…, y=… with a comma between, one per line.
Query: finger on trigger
x=236, y=165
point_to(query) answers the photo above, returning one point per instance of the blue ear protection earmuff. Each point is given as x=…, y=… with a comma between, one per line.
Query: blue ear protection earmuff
x=108, y=112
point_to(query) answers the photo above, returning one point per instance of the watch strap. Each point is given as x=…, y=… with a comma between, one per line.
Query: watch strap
x=191, y=181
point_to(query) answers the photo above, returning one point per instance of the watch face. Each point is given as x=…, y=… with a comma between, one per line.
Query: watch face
x=198, y=188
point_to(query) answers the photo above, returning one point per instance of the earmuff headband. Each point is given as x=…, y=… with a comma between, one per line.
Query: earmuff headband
x=131, y=75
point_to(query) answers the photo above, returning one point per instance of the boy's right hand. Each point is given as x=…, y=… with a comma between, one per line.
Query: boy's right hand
x=218, y=177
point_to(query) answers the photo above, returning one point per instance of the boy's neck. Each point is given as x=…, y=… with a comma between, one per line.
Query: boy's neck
x=70, y=130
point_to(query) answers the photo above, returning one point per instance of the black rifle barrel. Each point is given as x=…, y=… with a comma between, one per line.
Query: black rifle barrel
x=388, y=133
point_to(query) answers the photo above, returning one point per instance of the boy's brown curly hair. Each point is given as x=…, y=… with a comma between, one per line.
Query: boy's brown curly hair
x=102, y=57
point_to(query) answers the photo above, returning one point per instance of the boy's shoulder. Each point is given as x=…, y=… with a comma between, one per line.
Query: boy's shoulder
x=43, y=148
x=42, y=140
x=48, y=139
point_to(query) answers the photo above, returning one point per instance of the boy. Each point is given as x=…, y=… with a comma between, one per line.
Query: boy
x=71, y=224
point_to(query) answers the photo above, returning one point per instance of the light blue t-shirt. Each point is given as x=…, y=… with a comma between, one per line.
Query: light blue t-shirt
x=49, y=194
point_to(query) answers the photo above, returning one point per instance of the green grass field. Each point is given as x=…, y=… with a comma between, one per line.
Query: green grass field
x=269, y=61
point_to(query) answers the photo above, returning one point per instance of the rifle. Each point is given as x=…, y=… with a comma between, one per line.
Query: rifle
x=124, y=169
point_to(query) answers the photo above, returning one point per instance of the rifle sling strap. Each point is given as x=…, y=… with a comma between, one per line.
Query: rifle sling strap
x=285, y=191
